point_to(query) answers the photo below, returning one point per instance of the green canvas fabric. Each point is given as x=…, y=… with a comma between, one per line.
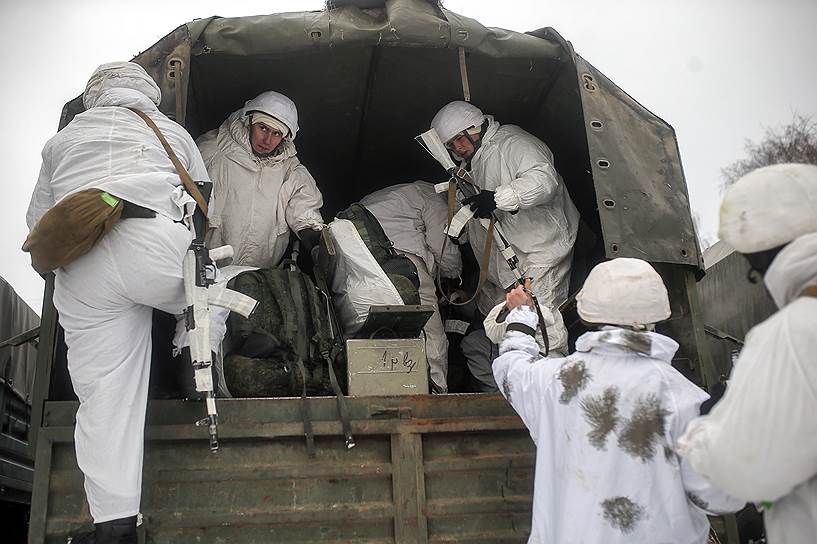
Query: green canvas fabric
x=392, y=67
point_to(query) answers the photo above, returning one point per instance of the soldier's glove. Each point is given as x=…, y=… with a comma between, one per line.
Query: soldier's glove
x=481, y=204
x=309, y=239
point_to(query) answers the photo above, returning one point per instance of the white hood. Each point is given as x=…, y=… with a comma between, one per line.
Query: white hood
x=123, y=84
x=613, y=339
x=234, y=141
x=794, y=268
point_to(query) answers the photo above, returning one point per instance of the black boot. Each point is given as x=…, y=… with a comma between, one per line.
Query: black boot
x=116, y=531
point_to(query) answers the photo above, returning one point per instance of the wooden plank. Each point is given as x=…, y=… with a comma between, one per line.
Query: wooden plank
x=408, y=479
x=39, y=498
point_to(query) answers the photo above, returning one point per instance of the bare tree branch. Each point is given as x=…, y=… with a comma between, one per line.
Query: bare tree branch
x=795, y=142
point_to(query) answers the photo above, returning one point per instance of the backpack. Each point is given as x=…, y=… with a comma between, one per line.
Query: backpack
x=284, y=346
x=288, y=346
x=399, y=268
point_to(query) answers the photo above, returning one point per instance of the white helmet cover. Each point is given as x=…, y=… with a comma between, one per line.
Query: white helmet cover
x=455, y=117
x=769, y=207
x=276, y=105
x=625, y=292
x=128, y=75
x=557, y=333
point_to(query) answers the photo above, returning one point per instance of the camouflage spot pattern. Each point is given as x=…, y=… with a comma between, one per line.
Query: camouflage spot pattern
x=601, y=413
x=622, y=513
x=640, y=434
x=574, y=377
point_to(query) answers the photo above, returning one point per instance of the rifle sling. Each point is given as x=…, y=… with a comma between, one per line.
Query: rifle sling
x=486, y=250
x=188, y=182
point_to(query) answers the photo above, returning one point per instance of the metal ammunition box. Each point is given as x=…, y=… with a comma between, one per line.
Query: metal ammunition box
x=387, y=367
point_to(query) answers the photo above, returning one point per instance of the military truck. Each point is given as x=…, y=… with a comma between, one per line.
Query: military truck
x=367, y=77
x=19, y=329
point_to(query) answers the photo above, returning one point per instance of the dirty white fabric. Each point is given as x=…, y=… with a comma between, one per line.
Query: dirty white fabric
x=496, y=324
x=760, y=441
x=105, y=298
x=623, y=291
x=257, y=199
x=105, y=301
x=357, y=282
x=605, y=422
x=436, y=340
x=413, y=216
x=455, y=117
x=519, y=168
x=769, y=207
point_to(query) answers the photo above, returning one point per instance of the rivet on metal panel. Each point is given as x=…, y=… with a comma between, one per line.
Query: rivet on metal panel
x=603, y=163
x=589, y=82
x=609, y=203
x=684, y=252
x=614, y=247
x=596, y=124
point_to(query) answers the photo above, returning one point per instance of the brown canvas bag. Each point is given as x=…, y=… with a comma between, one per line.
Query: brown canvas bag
x=71, y=228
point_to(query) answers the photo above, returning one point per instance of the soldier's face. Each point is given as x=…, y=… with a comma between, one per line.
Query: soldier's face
x=264, y=139
x=462, y=145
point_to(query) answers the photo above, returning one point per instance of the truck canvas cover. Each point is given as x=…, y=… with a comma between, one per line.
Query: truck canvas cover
x=367, y=80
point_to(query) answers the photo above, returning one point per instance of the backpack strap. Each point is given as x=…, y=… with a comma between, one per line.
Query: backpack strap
x=306, y=414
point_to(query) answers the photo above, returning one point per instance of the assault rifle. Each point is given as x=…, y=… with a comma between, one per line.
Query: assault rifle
x=201, y=291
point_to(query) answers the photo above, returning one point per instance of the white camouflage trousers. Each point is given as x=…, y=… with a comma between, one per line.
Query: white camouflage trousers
x=105, y=301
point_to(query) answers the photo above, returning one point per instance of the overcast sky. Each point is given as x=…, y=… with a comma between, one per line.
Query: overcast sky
x=719, y=71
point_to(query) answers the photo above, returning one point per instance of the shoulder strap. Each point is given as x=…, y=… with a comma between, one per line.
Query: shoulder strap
x=186, y=179
x=809, y=291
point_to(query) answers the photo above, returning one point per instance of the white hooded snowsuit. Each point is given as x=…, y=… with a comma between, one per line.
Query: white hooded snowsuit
x=258, y=199
x=605, y=422
x=414, y=216
x=760, y=441
x=519, y=168
x=105, y=298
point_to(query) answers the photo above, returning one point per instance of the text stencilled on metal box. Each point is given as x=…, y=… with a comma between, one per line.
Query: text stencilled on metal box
x=390, y=366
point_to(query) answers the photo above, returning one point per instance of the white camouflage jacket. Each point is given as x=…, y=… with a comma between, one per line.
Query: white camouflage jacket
x=605, y=422
x=258, y=200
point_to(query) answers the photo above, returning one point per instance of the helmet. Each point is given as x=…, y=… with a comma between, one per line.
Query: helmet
x=455, y=117
x=276, y=105
x=623, y=292
x=769, y=207
x=128, y=75
x=557, y=334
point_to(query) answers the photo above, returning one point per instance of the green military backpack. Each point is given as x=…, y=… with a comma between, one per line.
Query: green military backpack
x=286, y=344
x=289, y=346
x=399, y=268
